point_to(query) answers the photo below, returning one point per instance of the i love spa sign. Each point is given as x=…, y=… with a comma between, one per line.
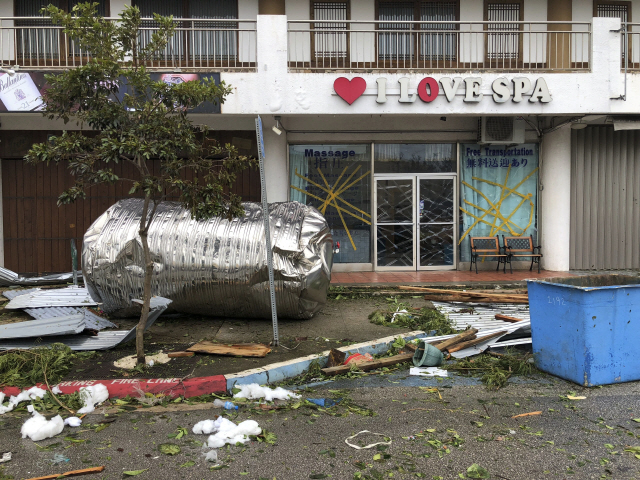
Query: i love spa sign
x=428, y=90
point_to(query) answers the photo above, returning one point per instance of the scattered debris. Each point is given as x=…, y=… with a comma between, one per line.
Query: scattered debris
x=101, y=341
x=59, y=459
x=529, y=414
x=241, y=350
x=56, y=297
x=130, y=362
x=6, y=457
x=427, y=355
x=254, y=391
x=428, y=371
x=365, y=367
x=24, y=368
x=226, y=432
x=358, y=358
x=169, y=448
x=357, y=447
x=324, y=402
x=180, y=354
x=72, y=421
x=573, y=397
x=336, y=357
x=73, y=473
x=9, y=278
x=494, y=371
x=462, y=337
x=425, y=319
x=69, y=325
x=38, y=427
x=92, y=396
x=442, y=295
x=476, y=341
x=507, y=318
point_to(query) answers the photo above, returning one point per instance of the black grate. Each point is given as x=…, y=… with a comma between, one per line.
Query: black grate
x=503, y=45
x=332, y=42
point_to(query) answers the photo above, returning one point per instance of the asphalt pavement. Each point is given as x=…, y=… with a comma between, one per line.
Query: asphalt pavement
x=437, y=430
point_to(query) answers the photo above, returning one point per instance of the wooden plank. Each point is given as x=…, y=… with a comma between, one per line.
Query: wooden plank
x=241, y=349
x=461, y=337
x=457, y=298
x=476, y=341
x=180, y=354
x=459, y=293
x=365, y=367
x=73, y=473
x=506, y=318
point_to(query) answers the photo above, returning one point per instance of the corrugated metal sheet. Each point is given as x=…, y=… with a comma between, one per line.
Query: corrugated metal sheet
x=102, y=341
x=11, y=294
x=59, y=297
x=481, y=316
x=605, y=199
x=69, y=325
x=9, y=278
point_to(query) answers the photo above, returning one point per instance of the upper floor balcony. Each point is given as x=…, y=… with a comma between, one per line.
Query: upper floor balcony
x=428, y=45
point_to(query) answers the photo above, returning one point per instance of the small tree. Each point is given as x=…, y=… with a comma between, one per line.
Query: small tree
x=149, y=123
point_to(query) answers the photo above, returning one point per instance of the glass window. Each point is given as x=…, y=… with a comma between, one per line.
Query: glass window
x=415, y=158
x=336, y=179
x=498, y=192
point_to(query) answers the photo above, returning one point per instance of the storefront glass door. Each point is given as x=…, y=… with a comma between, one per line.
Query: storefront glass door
x=436, y=222
x=415, y=222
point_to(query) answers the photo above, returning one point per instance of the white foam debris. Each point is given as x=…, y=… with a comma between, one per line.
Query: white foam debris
x=4, y=409
x=38, y=427
x=151, y=363
x=211, y=456
x=255, y=391
x=31, y=394
x=225, y=431
x=56, y=390
x=234, y=434
x=205, y=427
x=73, y=421
x=92, y=396
x=23, y=396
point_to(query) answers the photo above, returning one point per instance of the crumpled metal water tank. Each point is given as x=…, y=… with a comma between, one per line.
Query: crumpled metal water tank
x=214, y=267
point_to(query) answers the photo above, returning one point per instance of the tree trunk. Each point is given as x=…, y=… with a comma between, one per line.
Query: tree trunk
x=148, y=274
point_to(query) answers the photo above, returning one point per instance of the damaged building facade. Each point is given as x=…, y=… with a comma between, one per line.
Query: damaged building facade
x=410, y=125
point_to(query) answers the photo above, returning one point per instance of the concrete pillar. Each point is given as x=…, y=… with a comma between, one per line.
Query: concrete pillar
x=559, y=44
x=555, y=199
x=271, y=7
x=606, y=56
x=276, y=168
x=272, y=70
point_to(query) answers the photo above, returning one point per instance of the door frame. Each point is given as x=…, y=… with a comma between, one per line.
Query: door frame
x=454, y=214
x=415, y=179
x=374, y=217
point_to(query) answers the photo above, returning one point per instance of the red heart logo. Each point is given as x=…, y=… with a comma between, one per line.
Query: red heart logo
x=350, y=90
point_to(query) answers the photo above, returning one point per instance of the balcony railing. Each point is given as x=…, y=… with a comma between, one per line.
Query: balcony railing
x=34, y=43
x=438, y=45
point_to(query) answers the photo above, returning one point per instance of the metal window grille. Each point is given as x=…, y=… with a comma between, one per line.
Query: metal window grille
x=36, y=39
x=175, y=48
x=74, y=48
x=611, y=10
x=438, y=44
x=393, y=42
x=503, y=45
x=331, y=39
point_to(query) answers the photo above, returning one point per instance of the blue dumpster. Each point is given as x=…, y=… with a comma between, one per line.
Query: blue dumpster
x=586, y=329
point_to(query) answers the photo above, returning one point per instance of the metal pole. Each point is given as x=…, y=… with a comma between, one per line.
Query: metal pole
x=74, y=262
x=267, y=234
